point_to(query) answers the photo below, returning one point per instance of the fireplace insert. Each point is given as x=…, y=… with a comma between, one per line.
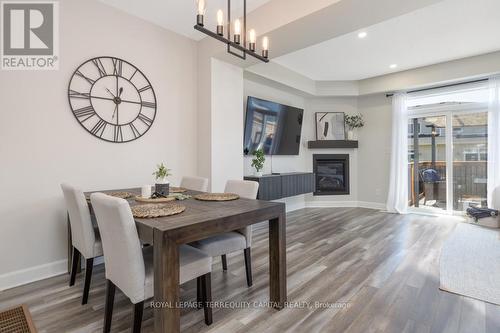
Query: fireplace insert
x=332, y=174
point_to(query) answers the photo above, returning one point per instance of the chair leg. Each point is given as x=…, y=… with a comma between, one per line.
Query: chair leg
x=206, y=281
x=248, y=266
x=224, y=262
x=88, y=277
x=108, y=312
x=138, y=310
x=75, y=262
x=199, y=293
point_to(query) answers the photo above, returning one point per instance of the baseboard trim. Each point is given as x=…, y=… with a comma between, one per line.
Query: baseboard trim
x=32, y=274
x=347, y=204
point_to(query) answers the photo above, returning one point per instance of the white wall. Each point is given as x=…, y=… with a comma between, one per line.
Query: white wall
x=303, y=161
x=226, y=124
x=42, y=144
x=375, y=148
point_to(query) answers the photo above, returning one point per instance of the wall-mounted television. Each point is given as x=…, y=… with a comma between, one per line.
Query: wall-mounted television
x=273, y=127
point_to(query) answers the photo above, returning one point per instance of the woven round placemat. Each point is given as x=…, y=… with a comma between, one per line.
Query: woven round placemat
x=216, y=196
x=156, y=210
x=121, y=195
x=174, y=189
x=154, y=200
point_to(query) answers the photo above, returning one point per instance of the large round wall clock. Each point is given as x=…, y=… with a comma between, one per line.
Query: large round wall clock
x=112, y=99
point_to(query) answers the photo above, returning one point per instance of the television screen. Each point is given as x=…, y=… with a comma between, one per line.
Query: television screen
x=273, y=127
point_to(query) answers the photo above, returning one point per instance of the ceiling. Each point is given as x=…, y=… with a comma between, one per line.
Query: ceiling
x=180, y=15
x=448, y=30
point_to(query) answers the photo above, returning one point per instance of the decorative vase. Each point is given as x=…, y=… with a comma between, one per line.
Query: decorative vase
x=258, y=173
x=350, y=135
x=162, y=187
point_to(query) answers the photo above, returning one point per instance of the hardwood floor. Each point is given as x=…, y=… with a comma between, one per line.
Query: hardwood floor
x=382, y=267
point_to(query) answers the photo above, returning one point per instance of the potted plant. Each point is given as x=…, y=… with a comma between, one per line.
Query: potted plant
x=258, y=161
x=162, y=184
x=353, y=122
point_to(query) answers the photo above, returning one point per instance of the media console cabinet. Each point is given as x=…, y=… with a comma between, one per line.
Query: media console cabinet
x=277, y=186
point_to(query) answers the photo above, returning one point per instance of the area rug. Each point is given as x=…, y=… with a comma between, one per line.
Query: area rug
x=16, y=320
x=470, y=263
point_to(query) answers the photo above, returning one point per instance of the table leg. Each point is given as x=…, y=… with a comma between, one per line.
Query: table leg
x=166, y=284
x=277, y=261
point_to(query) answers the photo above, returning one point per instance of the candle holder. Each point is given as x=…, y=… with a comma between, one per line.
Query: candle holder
x=265, y=53
x=251, y=47
x=199, y=20
x=237, y=39
x=220, y=30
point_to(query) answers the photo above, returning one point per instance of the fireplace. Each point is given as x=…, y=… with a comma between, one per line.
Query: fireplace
x=332, y=174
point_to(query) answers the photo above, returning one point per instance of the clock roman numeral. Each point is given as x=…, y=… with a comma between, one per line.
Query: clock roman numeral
x=76, y=94
x=134, y=130
x=145, y=119
x=148, y=104
x=86, y=112
x=118, y=135
x=99, y=128
x=117, y=67
x=136, y=70
x=100, y=67
x=144, y=88
x=89, y=80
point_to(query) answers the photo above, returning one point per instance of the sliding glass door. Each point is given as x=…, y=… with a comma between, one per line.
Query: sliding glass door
x=447, y=157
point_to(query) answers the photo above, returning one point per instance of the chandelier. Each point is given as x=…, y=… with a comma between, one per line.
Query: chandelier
x=236, y=46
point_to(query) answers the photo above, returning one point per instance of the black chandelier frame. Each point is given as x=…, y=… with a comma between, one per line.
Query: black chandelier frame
x=227, y=40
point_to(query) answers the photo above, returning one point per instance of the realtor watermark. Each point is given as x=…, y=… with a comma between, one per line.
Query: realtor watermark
x=30, y=35
x=246, y=305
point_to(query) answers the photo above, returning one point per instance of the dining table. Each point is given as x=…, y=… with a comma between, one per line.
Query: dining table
x=203, y=219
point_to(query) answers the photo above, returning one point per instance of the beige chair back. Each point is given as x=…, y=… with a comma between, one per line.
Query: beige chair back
x=123, y=258
x=82, y=230
x=195, y=183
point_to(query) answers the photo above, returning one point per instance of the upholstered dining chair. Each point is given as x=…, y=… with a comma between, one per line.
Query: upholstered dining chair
x=195, y=183
x=130, y=267
x=85, y=237
x=233, y=241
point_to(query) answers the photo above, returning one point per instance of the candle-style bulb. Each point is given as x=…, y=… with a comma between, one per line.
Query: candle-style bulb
x=265, y=43
x=220, y=22
x=237, y=31
x=237, y=27
x=220, y=17
x=201, y=7
x=265, y=47
x=252, y=36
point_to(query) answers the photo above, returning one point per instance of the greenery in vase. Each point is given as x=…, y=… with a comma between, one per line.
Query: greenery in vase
x=258, y=160
x=161, y=172
x=354, y=121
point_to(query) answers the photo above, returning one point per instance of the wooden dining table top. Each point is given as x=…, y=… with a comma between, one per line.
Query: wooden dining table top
x=197, y=212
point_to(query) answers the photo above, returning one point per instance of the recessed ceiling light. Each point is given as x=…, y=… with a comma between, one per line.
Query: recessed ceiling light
x=393, y=66
x=362, y=34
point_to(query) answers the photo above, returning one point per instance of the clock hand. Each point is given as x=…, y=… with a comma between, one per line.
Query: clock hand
x=116, y=108
x=120, y=93
x=110, y=92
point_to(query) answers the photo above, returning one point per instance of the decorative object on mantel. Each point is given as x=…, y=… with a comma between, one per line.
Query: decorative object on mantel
x=258, y=162
x=162, y=183
x=330, y=126
x=112, y=99
x=156, y=210
x=237, y=44
x=353, y=122
x=216, y=196
x=174, y=189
